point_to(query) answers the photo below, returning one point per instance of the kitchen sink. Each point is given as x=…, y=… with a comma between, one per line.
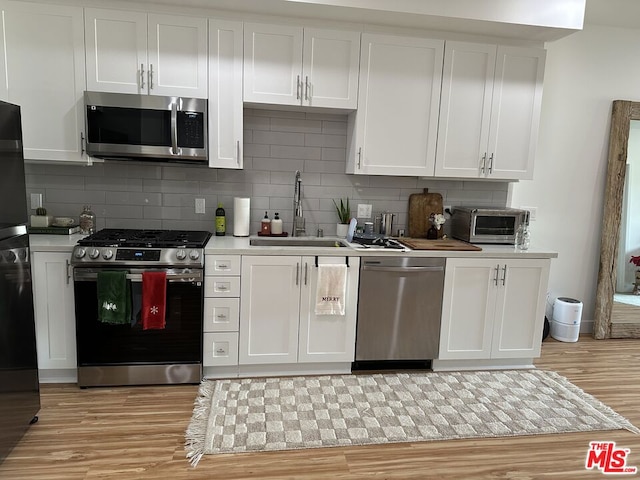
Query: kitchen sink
x=296, y=242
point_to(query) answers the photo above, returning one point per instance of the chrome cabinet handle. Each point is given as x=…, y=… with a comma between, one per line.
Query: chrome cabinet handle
x=297, y=273
x=306, y=87
x=306, y=272
x=238, y=151
x=359, y=156
x=298, y=87
x=491, y=164
x=141, y=76
x=151, y=76
x=68, y=272
x=495, y=279
x=82, y=143
x=484, y=161
x=504, y=275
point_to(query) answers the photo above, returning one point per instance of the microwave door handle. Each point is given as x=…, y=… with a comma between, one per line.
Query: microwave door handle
x=174, y=128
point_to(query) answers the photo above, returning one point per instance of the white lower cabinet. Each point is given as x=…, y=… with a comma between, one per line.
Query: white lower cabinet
x=493, y=308
x=54, y=311
x=221, y=310
x=278, y=324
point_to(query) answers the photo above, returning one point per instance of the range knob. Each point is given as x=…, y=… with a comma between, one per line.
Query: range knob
x=94, y=253
x=79, y=253
x=194, y=254
x=22, y=254
x=181, y=254
x=108, y=254
x=10, y=256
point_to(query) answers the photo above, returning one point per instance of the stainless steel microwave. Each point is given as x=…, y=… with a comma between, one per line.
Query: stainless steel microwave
x=151, y=127
x=487, y=225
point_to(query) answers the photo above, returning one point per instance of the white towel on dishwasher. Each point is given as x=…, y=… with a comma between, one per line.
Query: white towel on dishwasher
x=331, y=289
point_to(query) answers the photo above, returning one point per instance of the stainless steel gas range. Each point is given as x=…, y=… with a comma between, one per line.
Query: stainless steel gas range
x=123, y=278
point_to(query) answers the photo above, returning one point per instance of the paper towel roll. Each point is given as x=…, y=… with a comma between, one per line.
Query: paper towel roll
x=241, y=209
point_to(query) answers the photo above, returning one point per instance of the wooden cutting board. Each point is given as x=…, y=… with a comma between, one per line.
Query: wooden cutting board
x=440, y=244
x=421, y=205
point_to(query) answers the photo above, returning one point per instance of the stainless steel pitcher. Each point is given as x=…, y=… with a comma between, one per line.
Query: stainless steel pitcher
x=386, y=224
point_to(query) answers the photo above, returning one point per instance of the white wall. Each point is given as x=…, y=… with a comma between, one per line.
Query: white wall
x=585, y=72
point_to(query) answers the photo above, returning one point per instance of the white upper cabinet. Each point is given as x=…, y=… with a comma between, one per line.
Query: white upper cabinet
x=43, y=63
x=288, y=65
x=490, y=111
x=225, y=94
x=132, y=52
x=394, y=130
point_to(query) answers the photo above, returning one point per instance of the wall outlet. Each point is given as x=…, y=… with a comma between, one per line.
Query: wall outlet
x=200, y=208
x=36, y=200
x=533, y=213
x=364, y=210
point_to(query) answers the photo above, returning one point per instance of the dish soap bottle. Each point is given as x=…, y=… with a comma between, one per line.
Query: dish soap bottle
x=276, y=225
x=265, y=225
x=221, y=222
x=87, y=220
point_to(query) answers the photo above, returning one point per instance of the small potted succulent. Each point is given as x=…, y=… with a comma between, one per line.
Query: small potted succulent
x=344, y=216
x=636, y=286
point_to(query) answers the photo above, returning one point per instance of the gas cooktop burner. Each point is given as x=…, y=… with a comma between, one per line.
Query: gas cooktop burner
x=110, y=237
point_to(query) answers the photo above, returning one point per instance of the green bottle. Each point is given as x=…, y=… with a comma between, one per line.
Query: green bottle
x=221, y=223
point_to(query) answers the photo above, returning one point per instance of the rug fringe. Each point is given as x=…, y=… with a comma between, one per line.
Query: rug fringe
x=196, y=432
x=598, y=406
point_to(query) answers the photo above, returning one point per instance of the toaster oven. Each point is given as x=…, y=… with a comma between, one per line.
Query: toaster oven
x=487, y=224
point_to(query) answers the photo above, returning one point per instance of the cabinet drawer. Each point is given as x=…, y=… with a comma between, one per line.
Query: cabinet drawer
x=221, y=314
x=222, y=286
x=222, y=265
x=220, y=349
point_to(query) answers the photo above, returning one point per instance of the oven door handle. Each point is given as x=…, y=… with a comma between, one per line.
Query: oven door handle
x=137, y=277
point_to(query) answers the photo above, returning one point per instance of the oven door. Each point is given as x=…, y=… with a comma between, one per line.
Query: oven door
x=107, y=345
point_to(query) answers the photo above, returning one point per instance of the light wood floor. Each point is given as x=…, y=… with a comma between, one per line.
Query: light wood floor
x=138, y=433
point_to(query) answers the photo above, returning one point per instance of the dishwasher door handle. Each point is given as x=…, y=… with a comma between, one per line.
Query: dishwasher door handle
x=402, y=269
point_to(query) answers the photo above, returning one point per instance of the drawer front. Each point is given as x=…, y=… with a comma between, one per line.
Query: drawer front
x=222, y=286
x=222, y=264
x=221, y=314
x=220, y=349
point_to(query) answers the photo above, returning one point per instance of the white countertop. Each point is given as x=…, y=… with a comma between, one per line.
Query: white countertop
x=53, y=243
x=229, y=245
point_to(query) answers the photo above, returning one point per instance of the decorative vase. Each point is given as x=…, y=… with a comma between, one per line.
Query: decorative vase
x=636, y=285
x=342, y=229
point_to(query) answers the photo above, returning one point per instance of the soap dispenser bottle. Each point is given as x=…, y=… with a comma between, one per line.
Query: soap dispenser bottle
x=276, y=225
x=265, y=225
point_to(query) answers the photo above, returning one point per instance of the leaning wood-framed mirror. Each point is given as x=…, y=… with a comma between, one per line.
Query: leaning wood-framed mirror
x=617, y=313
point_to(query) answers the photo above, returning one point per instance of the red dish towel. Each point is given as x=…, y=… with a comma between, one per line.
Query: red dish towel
x=154, y=298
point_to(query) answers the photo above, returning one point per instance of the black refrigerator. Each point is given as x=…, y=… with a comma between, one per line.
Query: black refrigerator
x=19, y=388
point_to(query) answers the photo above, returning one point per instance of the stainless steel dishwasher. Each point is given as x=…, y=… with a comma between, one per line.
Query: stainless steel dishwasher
x=399, y=308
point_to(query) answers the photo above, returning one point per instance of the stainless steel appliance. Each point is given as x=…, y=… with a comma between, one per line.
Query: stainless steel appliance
x=121, y=126
x=487, y=225
x=19, y=387
x=126, y=354
x=399, y=309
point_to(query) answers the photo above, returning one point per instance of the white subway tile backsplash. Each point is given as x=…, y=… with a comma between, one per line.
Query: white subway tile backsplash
x=276, y=144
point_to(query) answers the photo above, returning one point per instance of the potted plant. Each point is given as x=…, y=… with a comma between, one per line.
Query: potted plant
x=636, y=285
x=344, y=215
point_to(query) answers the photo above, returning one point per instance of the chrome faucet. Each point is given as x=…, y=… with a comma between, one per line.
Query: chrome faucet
x=298, y=219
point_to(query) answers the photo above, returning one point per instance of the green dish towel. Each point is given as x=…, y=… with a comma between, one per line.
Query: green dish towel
x=114, y=297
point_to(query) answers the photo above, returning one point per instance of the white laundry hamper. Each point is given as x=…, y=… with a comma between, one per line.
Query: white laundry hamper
x=565, y=323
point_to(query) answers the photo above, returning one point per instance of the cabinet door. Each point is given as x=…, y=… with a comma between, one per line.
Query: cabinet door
x=398, y=101
x=330, y=68
x=272, y=64
x=116, y=50
x=465, y=109
x=269, y=309
x=515, y=112
x=520, y=308
x=468, y=308
x=327, y=338
x=54, y=310
x=225, y=94
x=45, y=75
x=177, y=56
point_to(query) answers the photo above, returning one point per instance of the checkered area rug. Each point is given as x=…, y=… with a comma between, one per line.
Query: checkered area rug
x=256, y=414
